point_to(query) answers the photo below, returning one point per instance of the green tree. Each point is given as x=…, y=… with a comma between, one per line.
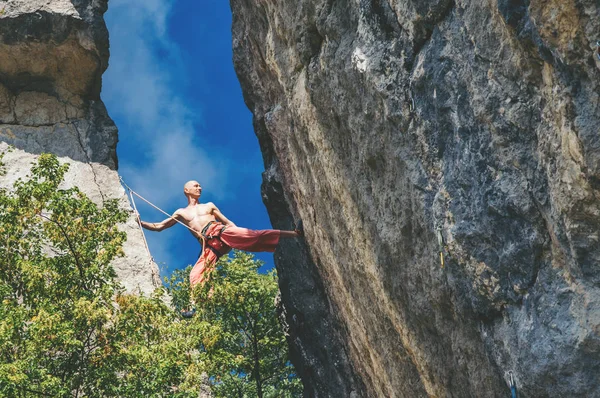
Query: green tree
x=66, y=328
x=243, y=345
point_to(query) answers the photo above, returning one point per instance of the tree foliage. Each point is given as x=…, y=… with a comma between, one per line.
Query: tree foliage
x=243, y=345
x=67, y=328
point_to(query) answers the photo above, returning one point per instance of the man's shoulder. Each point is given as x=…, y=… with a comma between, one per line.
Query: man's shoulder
x=181, y=210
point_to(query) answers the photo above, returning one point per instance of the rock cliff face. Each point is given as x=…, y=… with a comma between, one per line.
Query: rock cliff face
x=381, y=121
x=52, y=56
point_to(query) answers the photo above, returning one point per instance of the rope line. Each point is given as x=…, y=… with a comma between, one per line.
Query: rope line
x=132, y=192
x=139, y=222
x=156, y=207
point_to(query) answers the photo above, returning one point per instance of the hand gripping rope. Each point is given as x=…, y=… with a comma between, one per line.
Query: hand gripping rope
x=131, y=193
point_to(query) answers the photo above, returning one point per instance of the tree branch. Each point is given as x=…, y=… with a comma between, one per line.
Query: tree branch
x=79, y=267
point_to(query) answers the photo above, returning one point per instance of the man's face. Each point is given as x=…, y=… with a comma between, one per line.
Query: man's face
x=193, y=188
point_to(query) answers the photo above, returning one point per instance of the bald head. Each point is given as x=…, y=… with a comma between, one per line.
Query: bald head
x=190, y=184
x=192, y=188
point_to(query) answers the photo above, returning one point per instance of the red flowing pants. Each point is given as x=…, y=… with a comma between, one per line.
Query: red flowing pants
x=265, y=240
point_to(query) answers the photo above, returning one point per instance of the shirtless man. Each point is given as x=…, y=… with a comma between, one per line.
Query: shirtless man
x=219, y=233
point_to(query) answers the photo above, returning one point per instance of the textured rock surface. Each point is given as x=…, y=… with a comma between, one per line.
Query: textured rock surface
x=52, y=56
x=381, y=120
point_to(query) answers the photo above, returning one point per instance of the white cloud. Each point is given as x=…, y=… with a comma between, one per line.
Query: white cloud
x=140, y=92
x=180, y=161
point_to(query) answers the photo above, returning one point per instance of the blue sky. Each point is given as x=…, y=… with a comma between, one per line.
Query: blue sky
x=173, y=94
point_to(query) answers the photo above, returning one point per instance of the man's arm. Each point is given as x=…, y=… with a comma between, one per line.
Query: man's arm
x=159, y=226
x=220, y=217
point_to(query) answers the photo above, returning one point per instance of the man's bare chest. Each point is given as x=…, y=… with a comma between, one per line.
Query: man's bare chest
x=198, y=212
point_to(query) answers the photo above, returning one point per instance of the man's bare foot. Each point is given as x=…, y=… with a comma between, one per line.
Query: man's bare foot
x=299, y=230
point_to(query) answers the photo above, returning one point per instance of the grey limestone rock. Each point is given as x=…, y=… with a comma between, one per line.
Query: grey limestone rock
x=52, y=56
x=383, y=120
